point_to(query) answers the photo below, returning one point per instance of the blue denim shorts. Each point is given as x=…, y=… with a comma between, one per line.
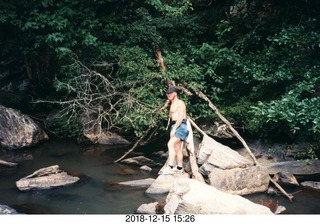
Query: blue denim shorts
x=182, y=131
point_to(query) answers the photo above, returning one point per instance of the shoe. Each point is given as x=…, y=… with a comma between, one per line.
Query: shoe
x=166, y=171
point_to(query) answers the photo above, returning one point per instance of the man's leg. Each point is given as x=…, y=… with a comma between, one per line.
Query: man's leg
x=172, y=150
x=179, y=153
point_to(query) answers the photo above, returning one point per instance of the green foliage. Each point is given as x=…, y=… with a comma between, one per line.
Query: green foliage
x=258, y=64
x=294, y=102
x=65, y=126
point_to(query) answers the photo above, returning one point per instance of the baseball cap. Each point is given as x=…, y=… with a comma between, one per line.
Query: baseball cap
x=171, y=89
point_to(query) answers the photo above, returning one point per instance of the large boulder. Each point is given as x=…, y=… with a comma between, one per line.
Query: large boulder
x=213, y=154
x=241, y=181
x=188, y=196
x=18, y=130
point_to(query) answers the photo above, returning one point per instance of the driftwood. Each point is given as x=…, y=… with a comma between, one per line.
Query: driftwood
x=45, y=171
x=9, y=164
x=144, y=135
x=192, y=156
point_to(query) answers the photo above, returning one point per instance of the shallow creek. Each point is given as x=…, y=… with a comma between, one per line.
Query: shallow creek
x=96, y=192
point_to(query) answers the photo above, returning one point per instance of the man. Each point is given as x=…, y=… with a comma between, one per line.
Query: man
x=178, y=133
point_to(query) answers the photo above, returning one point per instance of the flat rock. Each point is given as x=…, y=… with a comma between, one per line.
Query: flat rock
x=138, y=183
x=46, y=178
x=163, y=183
x=295, y=167
x=311, y=184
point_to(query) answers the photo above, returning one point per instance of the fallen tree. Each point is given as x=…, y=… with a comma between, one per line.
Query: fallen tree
x=192, y=158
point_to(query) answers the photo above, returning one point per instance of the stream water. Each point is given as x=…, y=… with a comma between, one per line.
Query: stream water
x=96, y=192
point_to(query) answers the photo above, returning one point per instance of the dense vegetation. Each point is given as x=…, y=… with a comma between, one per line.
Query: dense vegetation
x=257, y=60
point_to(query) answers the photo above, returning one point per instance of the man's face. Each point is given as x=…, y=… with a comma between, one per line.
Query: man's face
x=171, y=96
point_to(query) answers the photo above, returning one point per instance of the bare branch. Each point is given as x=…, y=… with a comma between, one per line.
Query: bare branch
x=101, y=101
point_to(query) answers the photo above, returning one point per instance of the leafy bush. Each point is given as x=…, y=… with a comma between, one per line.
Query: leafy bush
x=256, y=60
x=64, y=126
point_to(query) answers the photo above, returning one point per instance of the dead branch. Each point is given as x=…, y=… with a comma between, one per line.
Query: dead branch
x=96, y=99
x=217, y=112
x=289, y=196
x=196, y=126
x=165, y=105
x=192, y=156
x=9, y=164
x=160, y=60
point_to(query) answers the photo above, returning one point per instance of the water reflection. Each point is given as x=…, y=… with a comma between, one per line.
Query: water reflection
x=96, y=192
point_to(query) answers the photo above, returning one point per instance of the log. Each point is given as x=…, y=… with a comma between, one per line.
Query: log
x=9, y=164
x=192, y=157
x=45, y=171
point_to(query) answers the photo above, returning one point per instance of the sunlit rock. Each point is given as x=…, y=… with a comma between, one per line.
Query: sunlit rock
x=188, y=196
x=18, y=130
x=46, y=178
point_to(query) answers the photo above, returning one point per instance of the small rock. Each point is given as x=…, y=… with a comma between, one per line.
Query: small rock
x=311, y=184
x=6, y=210
x=146, y=168
x=147, y=208
x=140, y=160
x=286, y=178
x=280, y=209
